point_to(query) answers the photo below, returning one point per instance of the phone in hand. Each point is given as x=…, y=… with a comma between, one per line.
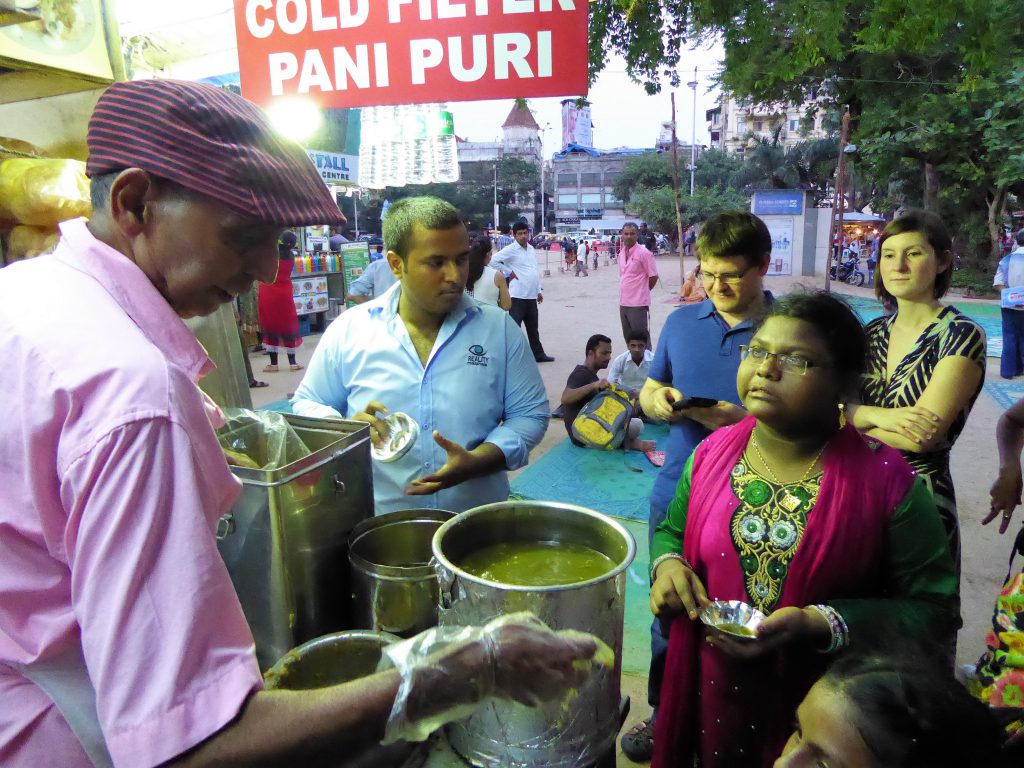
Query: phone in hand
x=694, y=402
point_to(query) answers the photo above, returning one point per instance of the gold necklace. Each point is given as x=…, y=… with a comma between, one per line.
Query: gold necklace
x=790, y=502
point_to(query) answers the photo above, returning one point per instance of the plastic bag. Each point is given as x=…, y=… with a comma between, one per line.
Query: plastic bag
x=43, y=192
x=446, y=661
x=259, y=439
x=25, y=242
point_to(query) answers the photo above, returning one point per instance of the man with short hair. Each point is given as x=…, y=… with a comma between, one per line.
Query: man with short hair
x=519, y=261
x=646, y=238
x=458, y=367
x=699, y=356
x=583, y=384
x=630, y=369
x=503, y=240
x=1010, y=274
x=638, y=274
x=122, y=640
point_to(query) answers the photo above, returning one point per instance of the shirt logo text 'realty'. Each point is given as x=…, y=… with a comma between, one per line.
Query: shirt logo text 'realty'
x=477, y=355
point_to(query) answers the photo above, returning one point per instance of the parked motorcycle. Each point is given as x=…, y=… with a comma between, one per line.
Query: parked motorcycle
x=848, y=272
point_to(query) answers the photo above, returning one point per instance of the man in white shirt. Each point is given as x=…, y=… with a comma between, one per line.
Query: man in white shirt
x=630, y=369
x=520, y=261
x=1010, y=274
x=373, y=283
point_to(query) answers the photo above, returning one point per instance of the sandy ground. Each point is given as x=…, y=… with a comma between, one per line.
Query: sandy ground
x=576, y=307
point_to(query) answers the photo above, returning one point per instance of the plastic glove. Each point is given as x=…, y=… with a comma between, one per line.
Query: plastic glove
x=447, y=672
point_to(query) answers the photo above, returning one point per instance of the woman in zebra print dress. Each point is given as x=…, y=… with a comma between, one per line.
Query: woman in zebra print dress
x=926, y=363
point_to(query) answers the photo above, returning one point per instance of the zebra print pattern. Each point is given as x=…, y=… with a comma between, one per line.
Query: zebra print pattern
x=952, y=334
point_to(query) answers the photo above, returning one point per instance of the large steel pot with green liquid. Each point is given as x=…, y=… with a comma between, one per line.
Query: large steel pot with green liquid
x=581, y=729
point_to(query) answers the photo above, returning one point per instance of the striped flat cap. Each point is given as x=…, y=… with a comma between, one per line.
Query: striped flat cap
x=210, y=141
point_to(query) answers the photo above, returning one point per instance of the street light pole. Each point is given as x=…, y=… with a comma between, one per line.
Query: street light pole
x=839, y=202
x=693, y=135
x=497, y=225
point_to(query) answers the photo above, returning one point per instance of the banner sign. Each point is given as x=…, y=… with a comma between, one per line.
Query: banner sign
x=358, y=53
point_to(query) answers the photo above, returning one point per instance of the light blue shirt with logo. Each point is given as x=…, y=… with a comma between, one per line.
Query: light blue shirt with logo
x=480, y=384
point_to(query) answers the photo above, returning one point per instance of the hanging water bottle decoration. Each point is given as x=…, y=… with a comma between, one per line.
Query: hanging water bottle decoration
x=407, y=144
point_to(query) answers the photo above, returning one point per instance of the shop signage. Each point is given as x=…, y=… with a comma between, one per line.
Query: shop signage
x=590, y=213
x=357, y=53
x=568, y=220
x=778, y=203
x=334, y=167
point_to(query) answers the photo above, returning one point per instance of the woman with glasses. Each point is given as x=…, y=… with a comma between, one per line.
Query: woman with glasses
x=827, y=532
x=926, y=363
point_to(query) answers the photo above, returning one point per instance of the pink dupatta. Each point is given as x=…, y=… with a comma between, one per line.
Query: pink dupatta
x=740, y=713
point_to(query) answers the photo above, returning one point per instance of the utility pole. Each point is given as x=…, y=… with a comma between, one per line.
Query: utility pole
x=675, y=195
x=839, y=202
x=693, y=135
x=496, y=222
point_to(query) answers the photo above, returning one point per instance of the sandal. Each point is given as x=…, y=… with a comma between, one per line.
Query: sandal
x=256, y=384
x=270, y=369
x=296, y=367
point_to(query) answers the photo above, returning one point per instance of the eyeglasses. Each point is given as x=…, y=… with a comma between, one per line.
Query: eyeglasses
x=729, y=278
x=797, y=364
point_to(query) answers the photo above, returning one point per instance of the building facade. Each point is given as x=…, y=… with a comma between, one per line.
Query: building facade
x=734, y=122
x=584, y=179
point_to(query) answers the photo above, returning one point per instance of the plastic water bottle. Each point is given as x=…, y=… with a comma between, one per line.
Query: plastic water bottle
x=443, y=143
x=419, y=168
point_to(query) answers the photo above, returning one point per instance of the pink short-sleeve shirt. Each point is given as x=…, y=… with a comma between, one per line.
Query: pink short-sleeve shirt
x=636, y=267
x=117, y=615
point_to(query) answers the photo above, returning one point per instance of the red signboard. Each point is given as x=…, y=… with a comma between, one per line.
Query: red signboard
x=357, y=53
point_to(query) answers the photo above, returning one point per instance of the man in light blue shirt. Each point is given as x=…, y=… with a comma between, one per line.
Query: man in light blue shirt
x=375, y=281
x=461, y=369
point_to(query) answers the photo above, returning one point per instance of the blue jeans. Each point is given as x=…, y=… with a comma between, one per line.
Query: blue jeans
x=1012, y=361
x=659, y=635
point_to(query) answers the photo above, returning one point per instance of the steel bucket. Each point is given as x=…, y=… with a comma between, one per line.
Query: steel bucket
x=394, y=585
x=340, y=658
x=581, y=729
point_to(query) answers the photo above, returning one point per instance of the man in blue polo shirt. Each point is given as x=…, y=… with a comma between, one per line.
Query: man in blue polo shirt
x=698, y=355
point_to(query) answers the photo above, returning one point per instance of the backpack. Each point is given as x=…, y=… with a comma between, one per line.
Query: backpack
x=604, y=421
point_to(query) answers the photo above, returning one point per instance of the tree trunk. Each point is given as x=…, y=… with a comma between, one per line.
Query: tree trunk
x=996, y=200
x=931, y=187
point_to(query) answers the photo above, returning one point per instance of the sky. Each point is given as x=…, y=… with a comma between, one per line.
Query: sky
x=622, y=112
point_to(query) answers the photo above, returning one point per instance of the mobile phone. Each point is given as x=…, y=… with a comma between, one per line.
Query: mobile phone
x=694, y=402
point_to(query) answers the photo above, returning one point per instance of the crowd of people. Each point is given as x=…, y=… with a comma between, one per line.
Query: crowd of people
x=807, y=474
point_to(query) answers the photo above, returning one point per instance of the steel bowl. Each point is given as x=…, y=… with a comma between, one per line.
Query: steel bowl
x=402, y=431
x=734, y=618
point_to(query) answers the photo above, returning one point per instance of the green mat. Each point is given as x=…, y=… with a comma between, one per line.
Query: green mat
x=616, y=483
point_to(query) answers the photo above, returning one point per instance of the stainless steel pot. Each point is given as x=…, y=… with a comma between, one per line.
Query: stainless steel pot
x=562, y=734
x=394, y=586
x=340, y=658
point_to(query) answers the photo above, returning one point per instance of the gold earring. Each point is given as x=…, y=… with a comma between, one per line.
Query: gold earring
x=842, y=415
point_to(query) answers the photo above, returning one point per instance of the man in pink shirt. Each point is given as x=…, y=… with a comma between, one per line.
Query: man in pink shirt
x=122, y=642
x=638, y=274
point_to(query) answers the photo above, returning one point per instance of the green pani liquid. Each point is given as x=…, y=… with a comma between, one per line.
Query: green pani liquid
x=538, y=563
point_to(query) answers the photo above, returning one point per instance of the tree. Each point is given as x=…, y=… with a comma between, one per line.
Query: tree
x=717, y=168
x=915, y=73
x=657, y=206
x=650, y=171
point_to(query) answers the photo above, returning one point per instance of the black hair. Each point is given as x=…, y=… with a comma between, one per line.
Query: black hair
x=835, y=323
x=429, y=212
x=285, y=244
x=1020, y=237
x=519, y=226
x=593, y=341
x=478, y=251
x=635, y=335
x=912, y=713
x=935, y=232
x=735, y=233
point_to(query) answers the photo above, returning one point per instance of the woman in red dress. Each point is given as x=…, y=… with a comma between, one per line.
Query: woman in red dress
x=279, y=322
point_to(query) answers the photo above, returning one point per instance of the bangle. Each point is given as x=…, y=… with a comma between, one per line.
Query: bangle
x=840, y=632
x=668, y=556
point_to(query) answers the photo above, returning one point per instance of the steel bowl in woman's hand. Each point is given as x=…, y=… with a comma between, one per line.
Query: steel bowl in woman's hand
x=783, y=627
